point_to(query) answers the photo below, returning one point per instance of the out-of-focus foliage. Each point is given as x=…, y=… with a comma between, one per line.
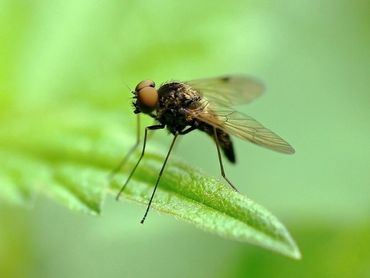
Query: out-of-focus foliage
x=65, y=59
x=66, y=148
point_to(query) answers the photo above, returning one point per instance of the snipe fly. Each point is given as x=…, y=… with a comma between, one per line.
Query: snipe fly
x=205, y=105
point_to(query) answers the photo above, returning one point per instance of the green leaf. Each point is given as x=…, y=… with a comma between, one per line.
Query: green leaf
x=69, y=160
x=209, y=204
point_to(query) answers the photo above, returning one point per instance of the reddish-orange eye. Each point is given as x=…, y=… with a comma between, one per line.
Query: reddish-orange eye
x=147, y=99
x=143, y=84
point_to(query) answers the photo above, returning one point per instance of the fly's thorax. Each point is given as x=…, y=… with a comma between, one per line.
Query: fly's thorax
x=178, y=95
x=175, y=100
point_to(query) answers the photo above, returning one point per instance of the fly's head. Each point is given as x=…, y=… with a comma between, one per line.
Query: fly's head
x=146, y=97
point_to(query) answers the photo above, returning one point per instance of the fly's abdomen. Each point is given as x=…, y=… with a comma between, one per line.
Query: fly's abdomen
x=224, y=141
x=226, y=145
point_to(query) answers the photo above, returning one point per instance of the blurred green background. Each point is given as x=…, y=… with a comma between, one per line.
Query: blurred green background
x=313, y=57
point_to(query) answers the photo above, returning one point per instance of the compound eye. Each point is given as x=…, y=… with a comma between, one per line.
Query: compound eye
x=147, y=99
x=143, y=84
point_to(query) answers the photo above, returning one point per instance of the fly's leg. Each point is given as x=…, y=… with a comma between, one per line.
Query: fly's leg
x=130, y=152
x=220, y=161
x=159, y=177
x=153, y=127
x=186, y=131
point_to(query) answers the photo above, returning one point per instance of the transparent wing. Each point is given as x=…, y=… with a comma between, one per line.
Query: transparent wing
x=242, y=126
x=228, y=90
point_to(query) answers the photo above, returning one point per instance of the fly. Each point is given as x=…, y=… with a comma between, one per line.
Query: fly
x=205, y=105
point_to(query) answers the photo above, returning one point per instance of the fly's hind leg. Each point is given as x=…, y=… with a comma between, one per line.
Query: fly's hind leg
x=220, y=161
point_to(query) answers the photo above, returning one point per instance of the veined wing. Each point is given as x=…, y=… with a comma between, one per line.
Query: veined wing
x=228, y=90
x=242, y=126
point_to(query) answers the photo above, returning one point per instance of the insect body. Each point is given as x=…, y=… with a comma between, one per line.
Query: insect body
x=205, y=105
x=177, y=107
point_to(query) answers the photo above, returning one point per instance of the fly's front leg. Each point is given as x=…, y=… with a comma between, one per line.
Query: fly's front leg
x=186, y=131
x=159, y=177
x=130, y=152
x=153, y=127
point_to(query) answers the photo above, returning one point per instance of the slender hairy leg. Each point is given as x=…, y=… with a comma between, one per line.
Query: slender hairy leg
x=153, y=127
x=130, y=152
x=159, y=177
x=220, y=160
x=186, y=131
